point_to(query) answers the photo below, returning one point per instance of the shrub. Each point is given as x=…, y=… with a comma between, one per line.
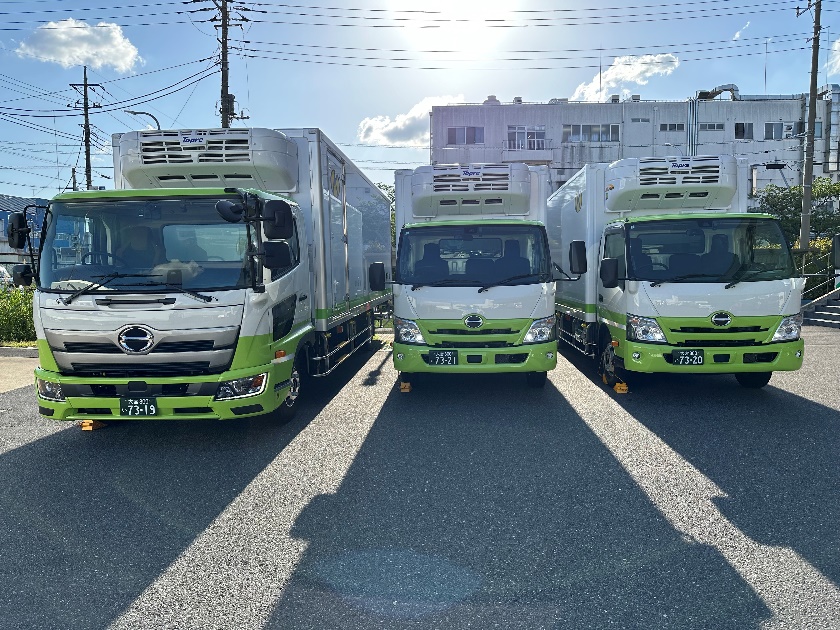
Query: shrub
x=16, y=314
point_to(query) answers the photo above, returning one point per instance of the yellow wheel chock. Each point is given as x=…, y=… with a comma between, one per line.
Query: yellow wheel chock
x=92, y=425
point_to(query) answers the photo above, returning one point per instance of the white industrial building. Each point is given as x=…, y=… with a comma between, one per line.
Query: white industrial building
x=769, y=131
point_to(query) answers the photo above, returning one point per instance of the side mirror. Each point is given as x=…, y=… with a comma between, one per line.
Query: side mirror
x=230, y=211
x=278, y=219
x=278, y=255
x=609, y=273
x=18, y=230
x=835, y=251
x=22, y=275
x=376, y=276
x=577, y=257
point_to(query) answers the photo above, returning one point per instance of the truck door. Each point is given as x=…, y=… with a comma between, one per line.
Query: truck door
x=611, y=306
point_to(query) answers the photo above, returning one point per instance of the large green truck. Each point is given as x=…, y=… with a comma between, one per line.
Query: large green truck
x=682, y=277
x=227, y=266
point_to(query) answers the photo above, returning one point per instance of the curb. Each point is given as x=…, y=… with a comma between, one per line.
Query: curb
x=30, y=353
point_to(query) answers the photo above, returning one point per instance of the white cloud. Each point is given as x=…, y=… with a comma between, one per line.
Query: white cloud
x=625, y=70
x=833, y=64
x=405, y=129
x=743, y=28
x=74, y=43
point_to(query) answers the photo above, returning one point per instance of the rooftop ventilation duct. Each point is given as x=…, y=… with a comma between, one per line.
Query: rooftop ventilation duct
x=708, y=95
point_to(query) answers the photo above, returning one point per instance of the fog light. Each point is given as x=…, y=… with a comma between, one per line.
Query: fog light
x=637, y=355
x=400, y=356
x=799, y=354
x=49, y=391
x=549, y=355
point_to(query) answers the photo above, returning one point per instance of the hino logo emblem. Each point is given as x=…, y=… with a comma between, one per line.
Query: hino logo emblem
x=473, y=321
x=136, y=340
x=721, y=319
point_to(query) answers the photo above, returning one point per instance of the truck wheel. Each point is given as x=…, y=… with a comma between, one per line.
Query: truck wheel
x=287, y=409
x=536, y=379
x=606, y=363
x=753, y=380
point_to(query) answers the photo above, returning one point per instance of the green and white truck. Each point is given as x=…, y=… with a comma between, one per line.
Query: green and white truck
x=682, y=278
x=474, y=284
x=227, y=266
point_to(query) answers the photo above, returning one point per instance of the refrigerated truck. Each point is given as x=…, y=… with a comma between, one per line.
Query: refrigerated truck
x=682, y=278
x=474, y=284
x=227, y=266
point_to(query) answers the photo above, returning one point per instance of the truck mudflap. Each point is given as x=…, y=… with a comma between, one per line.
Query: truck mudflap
x=191, y=398
x=651, y=358
x=531, y=358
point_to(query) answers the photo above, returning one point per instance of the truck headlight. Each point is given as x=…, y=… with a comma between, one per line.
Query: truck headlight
x=242, y=387
x=49, y=391
x=406, y=331
x=789, y=328
x=644, y=329
x=541, y=331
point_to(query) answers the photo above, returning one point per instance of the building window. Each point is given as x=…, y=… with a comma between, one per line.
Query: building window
x=711, y=126
x=605, y=132
x=743, y=131
x=526, y=137
x=640, y=120
x=465, y=135
x=672, y=127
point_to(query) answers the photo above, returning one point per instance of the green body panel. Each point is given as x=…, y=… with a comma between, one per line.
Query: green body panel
x=537, y=360
x=719, y=357
x=253, y=355
x=440, y=333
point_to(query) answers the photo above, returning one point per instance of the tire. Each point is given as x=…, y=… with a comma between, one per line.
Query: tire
x=536, y=379
x=606, y=362
x=288, y=408
x=753, y=380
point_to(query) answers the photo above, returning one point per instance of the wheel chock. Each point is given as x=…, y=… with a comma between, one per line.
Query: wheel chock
x=92, y=425
x=405, y=388
x=620, y=388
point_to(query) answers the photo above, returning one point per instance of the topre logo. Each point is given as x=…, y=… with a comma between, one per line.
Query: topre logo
x=136, y=340
x=680, y=165
x=471, y=173
x=721, y=318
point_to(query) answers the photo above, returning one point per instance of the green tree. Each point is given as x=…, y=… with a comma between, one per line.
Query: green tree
x=390, y=192
x=785, y=203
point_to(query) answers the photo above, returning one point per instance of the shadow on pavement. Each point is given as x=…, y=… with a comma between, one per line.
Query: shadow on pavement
x=452, y=518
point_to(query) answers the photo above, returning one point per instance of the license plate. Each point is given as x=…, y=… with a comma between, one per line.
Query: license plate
x=443, y=357
x=687, y=357
x=138, y=406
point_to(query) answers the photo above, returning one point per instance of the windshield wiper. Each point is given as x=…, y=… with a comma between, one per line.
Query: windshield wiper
x=684, y=277
x=437, y=283
x=105, y=280
x=176, y=287
x=745, y=276
x=521, y=276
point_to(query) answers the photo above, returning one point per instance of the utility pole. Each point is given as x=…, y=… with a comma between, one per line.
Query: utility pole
x=227, y=107
x=86, y=127
x=808, y=170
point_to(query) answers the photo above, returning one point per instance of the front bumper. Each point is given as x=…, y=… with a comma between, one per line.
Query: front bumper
x=186, y=398
x=654, y=358
x=541, y=357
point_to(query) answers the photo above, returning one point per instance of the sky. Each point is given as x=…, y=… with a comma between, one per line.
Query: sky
x=367, y=75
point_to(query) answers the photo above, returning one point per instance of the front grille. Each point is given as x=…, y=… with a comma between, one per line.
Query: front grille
x=82, y=347
x=487, y=331
x=473, y=344
x=194, y=368
x=718, y=331
x=511, y=358
x=718, y=343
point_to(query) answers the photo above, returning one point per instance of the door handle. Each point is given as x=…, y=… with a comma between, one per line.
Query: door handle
x=600, y=298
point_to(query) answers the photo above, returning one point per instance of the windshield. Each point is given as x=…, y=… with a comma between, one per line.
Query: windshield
x=708, y=250
x=145, y=243
x=473, y=255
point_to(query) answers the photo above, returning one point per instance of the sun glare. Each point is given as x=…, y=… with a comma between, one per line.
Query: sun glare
x=466, y=29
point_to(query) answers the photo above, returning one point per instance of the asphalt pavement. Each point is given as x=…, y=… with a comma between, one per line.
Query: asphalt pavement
x=470, y=502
